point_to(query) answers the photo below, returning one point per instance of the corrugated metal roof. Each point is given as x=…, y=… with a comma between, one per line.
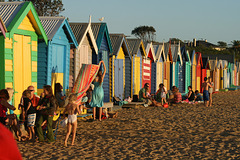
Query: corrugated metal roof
x=51, y=25
x=166, y=49
x=116, y=40
x=78, y=30
x=159, y=49
x=175, y=48
x=134, y=45
x=8, y=10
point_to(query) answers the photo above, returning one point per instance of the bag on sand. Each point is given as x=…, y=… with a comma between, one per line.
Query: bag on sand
x=63, y=123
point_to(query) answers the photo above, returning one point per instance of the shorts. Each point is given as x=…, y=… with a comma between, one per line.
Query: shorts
x=205, y=95
x=210, y=90
x=72, y=118
x=31, y=120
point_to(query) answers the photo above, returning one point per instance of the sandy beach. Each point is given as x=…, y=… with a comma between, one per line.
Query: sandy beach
x=181, y=131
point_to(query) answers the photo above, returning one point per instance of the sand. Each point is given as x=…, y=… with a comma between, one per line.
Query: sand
x=179, y=132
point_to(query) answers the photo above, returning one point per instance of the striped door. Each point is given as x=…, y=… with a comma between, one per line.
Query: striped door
x=146, y=75
x=22, y=66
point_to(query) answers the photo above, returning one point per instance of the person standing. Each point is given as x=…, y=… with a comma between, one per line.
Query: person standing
x=205, y=87
x=47, y=107
x=98, y=93
x=34, y=98
x=210, y=90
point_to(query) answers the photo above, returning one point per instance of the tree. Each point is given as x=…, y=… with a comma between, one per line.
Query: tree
x=47, y=7
x=236, y=43
x=146, y=33
x=222, y=44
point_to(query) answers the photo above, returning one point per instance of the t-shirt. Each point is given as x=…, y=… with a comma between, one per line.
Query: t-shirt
x=32, y=109
x=143, y=90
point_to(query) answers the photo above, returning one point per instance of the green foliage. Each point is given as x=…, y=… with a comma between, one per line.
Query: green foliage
x=46, y=7
x=222, y=44
x=146, y=33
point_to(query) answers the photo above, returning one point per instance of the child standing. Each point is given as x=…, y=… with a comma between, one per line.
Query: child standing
x=210, y=90
x=72, y=109
x=30, y=113
x=163, y=93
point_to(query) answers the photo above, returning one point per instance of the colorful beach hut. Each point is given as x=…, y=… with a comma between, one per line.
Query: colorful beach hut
x=176, y=66
x=167, y=67
x=193, y=70
x=18, y=58
x=185, y=71
x=229, y=75
x=138, y=53
x=213, y=72
x=3, y=28
x=147, y=64
x=102, y=37
x=158, y=67
x=225, y=73
x=199, y=71
x=121, y=62
x=54, y=58
x=87, y=49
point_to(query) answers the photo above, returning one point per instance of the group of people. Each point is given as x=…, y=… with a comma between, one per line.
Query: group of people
x=163, y=96
x=37, y=112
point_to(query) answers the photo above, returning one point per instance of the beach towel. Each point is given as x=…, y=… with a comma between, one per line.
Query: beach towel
x=86, y=75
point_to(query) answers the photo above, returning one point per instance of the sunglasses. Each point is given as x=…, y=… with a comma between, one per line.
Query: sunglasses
x=31, y=90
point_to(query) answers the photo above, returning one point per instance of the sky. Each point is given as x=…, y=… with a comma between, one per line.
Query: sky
x=214, y=20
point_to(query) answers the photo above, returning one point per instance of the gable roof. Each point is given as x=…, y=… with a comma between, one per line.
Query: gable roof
x=168, y=51
x=192, y=57
x=80, y=30
x=3, y=28
x=148, y=47
x=159, y=51
x=212, y=64
x=199, y=58
x=185, y=54
x=176, y=52
x=134, y=45
x=13, y=13
x=52, y=24
x=99, y=29
x=119, y=40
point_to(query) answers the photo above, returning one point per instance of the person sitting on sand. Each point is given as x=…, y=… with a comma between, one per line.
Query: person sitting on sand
x=205, y=87
x=190, y=96
x=72, y=109
x=210, y=90
x=170, y=94
x=147, y=99
x=198, y=96
x=177, y=96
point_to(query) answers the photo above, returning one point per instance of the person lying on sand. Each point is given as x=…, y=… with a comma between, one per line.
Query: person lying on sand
x=72, y=109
